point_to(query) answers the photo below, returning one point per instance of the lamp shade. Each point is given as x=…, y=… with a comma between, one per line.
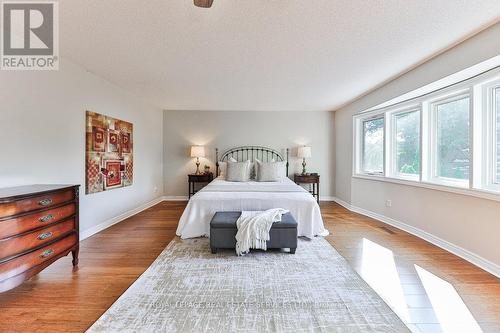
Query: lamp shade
x=304, y=152
x=197, y=151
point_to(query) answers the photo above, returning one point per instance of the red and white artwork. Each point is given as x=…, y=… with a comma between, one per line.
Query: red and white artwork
x=113, y=174
x=125, y=143
x=109, y=153
x=98, y=138
x=113, y=141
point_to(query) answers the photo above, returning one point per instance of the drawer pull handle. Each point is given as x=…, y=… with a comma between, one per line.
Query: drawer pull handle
x=46, y=218
x=46, y=253
x=45, y=202
x=45, y=235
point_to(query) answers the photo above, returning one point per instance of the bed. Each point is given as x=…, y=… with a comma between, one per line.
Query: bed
x=221, y=195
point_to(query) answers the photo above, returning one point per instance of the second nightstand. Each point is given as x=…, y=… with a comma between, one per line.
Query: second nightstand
x=309, y=179
x=194, y=179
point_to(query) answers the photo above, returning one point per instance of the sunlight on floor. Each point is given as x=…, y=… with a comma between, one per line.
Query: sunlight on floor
x=424, y=301
x=453, y=314
x=379, y=270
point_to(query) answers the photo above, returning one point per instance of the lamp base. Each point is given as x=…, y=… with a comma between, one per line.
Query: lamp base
x=197, y=167
x=304, y=167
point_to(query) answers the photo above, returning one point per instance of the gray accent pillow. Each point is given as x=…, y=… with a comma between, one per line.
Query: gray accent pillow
x=238, y=171
x=223, y=167
x=270, y=171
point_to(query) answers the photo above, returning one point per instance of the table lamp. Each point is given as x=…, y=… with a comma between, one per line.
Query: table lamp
x=304, y=152
x=197, y=151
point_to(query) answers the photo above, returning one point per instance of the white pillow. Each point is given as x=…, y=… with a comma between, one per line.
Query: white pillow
x=223, y=167
x=256, y=167
x=238, y=171
x=271, y=171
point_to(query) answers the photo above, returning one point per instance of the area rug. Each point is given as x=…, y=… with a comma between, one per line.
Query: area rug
x=188, y=289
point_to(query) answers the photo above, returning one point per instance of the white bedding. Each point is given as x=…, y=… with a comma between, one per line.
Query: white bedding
x=221, y=195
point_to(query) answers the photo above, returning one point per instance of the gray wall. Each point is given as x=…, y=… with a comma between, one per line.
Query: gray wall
x=224, y=130
x=42, y=130
x=467, y=222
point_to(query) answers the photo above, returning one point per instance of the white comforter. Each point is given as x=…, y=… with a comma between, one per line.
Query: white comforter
x=221, y=195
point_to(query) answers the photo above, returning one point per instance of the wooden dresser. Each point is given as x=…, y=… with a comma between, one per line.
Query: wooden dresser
x=38, y=225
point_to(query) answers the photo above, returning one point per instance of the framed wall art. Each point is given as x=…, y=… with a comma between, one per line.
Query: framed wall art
x=109, y=153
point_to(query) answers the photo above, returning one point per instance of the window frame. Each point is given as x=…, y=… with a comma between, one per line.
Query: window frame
x=490, y=135
x=432, y=154
x=392, y=148
x=480, y=89
x=362, y=121
x=495, y=107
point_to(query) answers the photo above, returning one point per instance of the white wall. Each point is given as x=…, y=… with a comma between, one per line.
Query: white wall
x=467, y=222
x=224, y=130
x=42, y=135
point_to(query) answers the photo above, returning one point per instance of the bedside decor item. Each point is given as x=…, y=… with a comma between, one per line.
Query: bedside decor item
x=109, y=153
x=207, y=169
x=38, y=225
x=197, y=151
x=203, y=3
x=194, y=179
x=312, y=179
x=304, y=152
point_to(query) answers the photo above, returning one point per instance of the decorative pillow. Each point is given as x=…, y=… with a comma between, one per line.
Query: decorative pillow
x=256, y=167
x=238, y=171
x=271, y=171
x=223, y=167
x=253, y=170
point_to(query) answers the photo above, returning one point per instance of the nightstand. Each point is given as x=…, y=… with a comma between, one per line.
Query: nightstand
x=198, y=179
x=309, y=179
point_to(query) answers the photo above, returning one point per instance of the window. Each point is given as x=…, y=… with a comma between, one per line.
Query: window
x=448, y=139
x=373, y=146
x=452, y=145
x=496, y=105
x=407, y=143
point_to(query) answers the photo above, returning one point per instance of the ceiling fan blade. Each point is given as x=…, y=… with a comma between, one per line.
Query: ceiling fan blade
x=203, y=3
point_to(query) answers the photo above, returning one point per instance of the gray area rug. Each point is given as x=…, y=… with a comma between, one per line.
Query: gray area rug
x=188, y=289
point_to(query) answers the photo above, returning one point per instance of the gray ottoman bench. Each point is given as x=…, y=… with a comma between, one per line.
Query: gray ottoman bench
x=223, y=232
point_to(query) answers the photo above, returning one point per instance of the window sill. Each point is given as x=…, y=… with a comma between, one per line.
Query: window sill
x=478, y=193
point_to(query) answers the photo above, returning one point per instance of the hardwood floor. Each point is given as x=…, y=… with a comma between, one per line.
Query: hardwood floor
x=429, y=288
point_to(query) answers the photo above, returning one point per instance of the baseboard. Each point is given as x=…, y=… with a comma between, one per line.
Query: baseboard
x=175, y=198
x=108, y=223
x=473, y=258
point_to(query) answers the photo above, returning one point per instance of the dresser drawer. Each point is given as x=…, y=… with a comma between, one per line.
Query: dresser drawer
x=15, y=245
x=36, y=202
x=26, y=223
x=23, y=263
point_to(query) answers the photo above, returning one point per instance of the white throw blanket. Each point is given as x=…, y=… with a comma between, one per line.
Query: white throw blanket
x=253, y=229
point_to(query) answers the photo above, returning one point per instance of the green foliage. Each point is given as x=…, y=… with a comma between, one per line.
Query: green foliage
x=453, y=139
x=373, y=145
x=408, y=142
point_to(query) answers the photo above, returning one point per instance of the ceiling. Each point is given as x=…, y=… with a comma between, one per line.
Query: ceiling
x=261, y=54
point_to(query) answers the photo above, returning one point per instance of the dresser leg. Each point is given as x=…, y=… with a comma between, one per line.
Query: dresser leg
x=75, y=256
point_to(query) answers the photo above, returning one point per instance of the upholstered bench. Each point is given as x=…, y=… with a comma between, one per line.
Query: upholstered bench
x=223, y=232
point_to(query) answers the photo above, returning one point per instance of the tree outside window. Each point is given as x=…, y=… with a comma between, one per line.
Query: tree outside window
x=407, y=136
x=373, y=145
x=453, y=145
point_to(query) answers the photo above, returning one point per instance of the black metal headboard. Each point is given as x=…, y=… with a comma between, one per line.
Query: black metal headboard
x=250, y=153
